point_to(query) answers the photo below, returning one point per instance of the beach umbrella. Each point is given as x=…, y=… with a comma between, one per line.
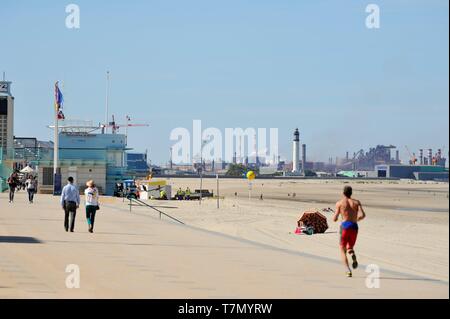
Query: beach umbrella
x=27, y=170
x=314, y=219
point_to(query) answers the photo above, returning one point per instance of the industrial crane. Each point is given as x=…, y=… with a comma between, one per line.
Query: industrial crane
x=115, y=127
x=413, y=158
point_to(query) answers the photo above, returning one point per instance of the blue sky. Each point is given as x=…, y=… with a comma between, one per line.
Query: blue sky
x=307, y=64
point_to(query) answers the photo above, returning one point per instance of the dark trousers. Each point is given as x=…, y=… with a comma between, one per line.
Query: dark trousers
x=70, y=210
x=90, y=215
x=12, y=190
x=30, y=195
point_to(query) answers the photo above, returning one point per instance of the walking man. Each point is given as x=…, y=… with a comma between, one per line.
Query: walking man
x=13, y=181
x=70, y=201
x=352, y=212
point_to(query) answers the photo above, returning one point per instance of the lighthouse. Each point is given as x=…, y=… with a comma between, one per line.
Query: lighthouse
x=296, y=152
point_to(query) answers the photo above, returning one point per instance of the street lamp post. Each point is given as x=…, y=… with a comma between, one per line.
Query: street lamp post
x=202, y=144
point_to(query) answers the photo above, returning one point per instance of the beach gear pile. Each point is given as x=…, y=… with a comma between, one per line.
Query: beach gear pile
x=312, y=222
x=304, y=230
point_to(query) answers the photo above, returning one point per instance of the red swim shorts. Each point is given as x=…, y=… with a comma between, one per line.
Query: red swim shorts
x=348, y=237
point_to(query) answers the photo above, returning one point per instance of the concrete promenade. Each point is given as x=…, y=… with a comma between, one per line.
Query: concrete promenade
x=136, y=255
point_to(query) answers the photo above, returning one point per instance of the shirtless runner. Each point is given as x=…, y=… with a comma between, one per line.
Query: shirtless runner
x=349, y=209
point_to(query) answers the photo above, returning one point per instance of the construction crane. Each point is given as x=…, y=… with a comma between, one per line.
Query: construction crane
x=115, y=127
x=413, y=158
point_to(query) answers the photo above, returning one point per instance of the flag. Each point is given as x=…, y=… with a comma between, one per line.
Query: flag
x=59, y=100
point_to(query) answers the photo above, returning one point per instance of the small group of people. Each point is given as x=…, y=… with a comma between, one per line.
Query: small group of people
x=16, y=183
x=70, y=202
x=183, y=195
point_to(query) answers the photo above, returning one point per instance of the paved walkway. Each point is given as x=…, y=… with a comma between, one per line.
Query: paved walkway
x=136, y=255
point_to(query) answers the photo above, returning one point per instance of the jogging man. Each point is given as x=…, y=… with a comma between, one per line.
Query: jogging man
x=352, y=212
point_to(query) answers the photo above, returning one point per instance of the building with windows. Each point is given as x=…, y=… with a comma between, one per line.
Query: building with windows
x=137, y=164
x=419, y=172
x=84, y=156
x=6, y=117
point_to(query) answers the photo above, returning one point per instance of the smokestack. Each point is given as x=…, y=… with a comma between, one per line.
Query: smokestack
x=346, y=156
x=430, y=156
x=397, y=156
x=421, y=162
x=303, y=159
x=296, y=152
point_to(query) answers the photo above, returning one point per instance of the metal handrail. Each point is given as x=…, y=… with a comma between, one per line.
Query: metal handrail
x=152, y=207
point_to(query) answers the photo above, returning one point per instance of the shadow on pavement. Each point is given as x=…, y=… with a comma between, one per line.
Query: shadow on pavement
x=19, y=240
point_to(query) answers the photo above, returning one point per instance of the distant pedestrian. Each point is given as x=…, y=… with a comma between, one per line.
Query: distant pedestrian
x=70, y=201
x=92, y=205
x=31, y=186
x=13, y=181
x=187, y=194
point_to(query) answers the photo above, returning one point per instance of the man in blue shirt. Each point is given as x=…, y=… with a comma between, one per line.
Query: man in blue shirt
x=70, y=201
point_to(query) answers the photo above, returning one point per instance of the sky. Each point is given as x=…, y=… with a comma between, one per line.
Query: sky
x=236, y=63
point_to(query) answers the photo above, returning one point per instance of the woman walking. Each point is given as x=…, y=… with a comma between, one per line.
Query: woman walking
x=92, y=206
x=31, y=186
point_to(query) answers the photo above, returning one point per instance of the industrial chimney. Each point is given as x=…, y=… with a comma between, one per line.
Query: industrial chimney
x=296, y=152
x=303, y=159
x=430, y=156
x=421, y=162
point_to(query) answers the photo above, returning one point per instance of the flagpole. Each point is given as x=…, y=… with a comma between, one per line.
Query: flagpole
x=107, y=102
x=56, y=170
x=55, y=152
x=55, y=144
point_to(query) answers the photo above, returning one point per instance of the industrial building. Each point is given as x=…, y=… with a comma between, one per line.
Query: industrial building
x=419, y=172
x=362, y=160
x=137, y=163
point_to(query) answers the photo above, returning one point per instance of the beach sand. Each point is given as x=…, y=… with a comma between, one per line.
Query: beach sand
x=407, y=225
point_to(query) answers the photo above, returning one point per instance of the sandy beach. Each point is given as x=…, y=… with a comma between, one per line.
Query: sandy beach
x=407, y=228
x=244, y=249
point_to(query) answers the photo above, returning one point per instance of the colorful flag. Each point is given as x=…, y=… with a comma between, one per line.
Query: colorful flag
x=59, y=100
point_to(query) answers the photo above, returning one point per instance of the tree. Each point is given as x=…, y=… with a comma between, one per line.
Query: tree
x=239, y=170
